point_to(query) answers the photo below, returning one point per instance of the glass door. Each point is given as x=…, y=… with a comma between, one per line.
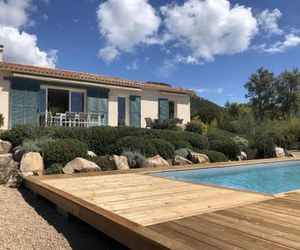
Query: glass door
x=77, y=102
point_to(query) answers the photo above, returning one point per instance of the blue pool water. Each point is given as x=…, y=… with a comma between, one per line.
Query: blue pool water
x=269, y=178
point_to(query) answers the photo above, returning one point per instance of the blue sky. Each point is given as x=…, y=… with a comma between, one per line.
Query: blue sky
x=209, y=46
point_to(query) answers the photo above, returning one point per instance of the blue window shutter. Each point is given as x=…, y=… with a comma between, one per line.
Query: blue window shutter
x=31, y=103
x=135, y=111
x=163, y=109
x=98, y=102
x=24, y=102
x=17, y=100
x=42, y=100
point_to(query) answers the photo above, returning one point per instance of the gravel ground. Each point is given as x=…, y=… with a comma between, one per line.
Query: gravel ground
x=27, y=222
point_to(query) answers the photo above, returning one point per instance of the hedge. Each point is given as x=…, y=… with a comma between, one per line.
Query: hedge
x=136, y=144
x=165, y=149
x=101, y=139
x=182, y=144
x=214, y=156
x=227, y=147
x=64, y=150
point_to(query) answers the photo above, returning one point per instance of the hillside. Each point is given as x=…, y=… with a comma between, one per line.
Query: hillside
x=205, y=109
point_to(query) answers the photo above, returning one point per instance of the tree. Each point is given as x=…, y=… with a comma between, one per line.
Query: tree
x=288, y=89
x=262, y=93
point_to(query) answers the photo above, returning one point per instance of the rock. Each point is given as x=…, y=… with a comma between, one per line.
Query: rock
x=157, y=161
x=199, y=158
x=91, y=154
x=80, y=165
x=26, y=174
x=5, y=147
x=8, y=171
x=244, y=155
x=115, y=162
x=178, y=160
x=279, y=152
x=31, y=162
x=120, y=162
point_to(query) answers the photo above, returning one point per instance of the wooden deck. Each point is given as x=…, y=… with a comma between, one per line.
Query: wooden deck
x=147, y=212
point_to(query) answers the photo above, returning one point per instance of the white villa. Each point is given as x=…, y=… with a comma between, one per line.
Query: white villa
x=29, y=94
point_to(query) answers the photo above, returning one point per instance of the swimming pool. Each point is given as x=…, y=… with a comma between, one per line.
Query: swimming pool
x=269, y=178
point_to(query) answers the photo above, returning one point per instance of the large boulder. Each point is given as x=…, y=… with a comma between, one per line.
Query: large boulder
x=120, y=162
x=157, y=161
x=8, y=171
x=32, y=162
x=5, y=147
x=279, y=152
x=198, y=158
x=80, y=165
x=178, y=160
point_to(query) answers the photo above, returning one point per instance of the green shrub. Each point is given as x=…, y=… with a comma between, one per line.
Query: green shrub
x=183, y=152
x=135, y=144
x=135, y=159
x=241, y=142
x=20, y=133
x=55, y=168
x=33, y=145
x=165, y=149
x=214, y=156
x=101, y=161
x=220, y=135
x=64, y=150
x=227, y=147
x=182, y=144
x=1, y=120
x=169, y=124
x=102, y=140
x=196, y=126
x=197, y=141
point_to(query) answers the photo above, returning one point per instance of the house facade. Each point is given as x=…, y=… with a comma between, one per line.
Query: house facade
x=28, y=91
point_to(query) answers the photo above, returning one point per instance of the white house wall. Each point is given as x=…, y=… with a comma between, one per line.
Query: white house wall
x=149, y=105
x=4, y=98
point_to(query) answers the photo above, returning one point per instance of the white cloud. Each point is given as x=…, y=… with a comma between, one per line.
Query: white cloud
x=126, y=24
x=290, y=41
x=268, y=21
x=132, y=66
x=192, y=32
x=14, y=13
x=45, y=16
x=108, y=53
x=22, y=47
x=209, y=27
x=19, y=46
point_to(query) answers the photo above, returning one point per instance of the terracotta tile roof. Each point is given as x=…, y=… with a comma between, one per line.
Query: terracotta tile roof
x=94, y=78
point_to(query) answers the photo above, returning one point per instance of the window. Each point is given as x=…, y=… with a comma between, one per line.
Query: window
x=121, y=111
x=77, y=102
x=171, y=109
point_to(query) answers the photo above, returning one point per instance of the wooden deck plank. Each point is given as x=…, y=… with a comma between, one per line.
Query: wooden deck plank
x=150, y=200
x=146, y=212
